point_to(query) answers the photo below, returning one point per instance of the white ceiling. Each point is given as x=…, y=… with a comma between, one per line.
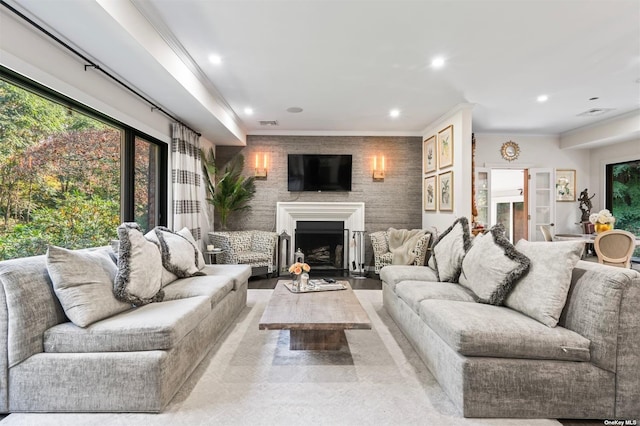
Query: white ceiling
x=347, y=63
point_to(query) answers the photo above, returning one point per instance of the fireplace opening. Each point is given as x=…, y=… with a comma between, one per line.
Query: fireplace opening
x=323, y=245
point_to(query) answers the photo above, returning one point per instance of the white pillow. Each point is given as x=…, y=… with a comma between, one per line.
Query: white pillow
x=542, y=292
x=139, y=277
x=492, y=266
x=83, y=282
x=179, y=255
x=449, y=250
x=187, y=234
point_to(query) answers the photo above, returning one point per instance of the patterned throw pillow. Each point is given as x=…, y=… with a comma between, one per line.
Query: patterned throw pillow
x=187, y=234
x=83, y=282
x=542, y=293
x=492, y=266
x=179, y=255
x=449, y=250
x=139, y=277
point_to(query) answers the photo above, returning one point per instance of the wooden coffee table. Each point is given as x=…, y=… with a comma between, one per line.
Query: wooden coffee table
x=317, y=320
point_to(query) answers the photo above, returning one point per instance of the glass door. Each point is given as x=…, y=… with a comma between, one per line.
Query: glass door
x=483, y=195
x=541, y=202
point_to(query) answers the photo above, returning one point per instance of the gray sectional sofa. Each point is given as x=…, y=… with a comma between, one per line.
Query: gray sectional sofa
x=493, y=361
x=134, y=361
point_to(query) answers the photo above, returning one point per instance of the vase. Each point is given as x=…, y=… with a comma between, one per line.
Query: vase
x=295, y=281
x=603, y=227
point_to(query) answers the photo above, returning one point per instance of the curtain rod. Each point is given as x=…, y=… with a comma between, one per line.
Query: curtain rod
x=93, y=65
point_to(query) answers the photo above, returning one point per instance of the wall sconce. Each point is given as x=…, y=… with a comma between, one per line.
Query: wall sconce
x=378, y=169
x=261, y=167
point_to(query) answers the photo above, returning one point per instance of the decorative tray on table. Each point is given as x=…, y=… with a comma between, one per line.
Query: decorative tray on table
x=317, y=285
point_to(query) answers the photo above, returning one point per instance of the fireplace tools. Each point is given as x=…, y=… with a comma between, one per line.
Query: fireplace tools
x=357, y=241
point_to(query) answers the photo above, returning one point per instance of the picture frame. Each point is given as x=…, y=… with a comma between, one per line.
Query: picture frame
x=445, y=147
x=430, y=154
x=565, y=185
x=445, y=191
x=430, y=194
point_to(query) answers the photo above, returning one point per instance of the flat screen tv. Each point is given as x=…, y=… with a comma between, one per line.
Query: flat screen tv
x=316, y=172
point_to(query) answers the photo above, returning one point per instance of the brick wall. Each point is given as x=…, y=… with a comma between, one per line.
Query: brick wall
x=395, y=202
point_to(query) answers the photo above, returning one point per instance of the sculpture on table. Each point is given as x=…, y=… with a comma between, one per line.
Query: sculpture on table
x=585, y=205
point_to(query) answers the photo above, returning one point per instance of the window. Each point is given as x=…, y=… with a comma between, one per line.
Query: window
x=69, y=176
x=623, y=195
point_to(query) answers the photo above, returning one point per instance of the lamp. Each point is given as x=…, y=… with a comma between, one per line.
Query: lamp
x=261, y=172
x=378, y=172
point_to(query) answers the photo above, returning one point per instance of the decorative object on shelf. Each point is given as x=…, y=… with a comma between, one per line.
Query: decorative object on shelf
x=429, y=153
x=585, y=205
x=298, y=270
x=445, y=147
x=378, y=168
x=565, y=185
x=445, y=191
x=602, y=221
x=510, y=150
x=261, y=167
x=284, y=252
x=430, y=203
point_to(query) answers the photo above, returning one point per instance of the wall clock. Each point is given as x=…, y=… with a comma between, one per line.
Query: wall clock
x=510, y=150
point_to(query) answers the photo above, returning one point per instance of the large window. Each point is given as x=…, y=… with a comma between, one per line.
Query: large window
x=69, y=176
x=623, y=195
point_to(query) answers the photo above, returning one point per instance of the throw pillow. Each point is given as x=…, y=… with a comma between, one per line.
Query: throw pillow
x=187, y=234
x=542, y=293
x=179, y=255
x=449, y=250
x=167, y=276
x=138, y=280
x=83, y=282
x=492, y=266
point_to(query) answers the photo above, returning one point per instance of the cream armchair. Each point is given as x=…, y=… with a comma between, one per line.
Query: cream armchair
x=254, y=248
x=383, y=257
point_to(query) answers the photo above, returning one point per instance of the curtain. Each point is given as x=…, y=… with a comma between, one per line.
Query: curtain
x=186, y=179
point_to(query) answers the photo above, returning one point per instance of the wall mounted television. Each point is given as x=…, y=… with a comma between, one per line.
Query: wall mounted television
x=319, y=172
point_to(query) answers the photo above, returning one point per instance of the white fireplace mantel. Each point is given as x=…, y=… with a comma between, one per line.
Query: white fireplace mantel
x=352, y=214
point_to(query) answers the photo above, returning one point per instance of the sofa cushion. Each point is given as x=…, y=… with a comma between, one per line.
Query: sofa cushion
x=83, y=282
x=239, y=274
x=414, y=292
x=393, y=274
x=475, y=329
x=542, y=292
x=214, y=287
x=449, y=250
x=254, y=257
x=492, y=266
x=139, y=277
x=156, y=326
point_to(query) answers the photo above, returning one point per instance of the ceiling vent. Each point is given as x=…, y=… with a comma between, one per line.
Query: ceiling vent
x=268, y=122
x=594, y=112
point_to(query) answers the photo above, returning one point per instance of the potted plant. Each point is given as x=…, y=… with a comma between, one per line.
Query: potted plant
x=229, y=192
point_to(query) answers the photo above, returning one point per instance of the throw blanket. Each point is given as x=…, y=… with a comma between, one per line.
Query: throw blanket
x=401, y=244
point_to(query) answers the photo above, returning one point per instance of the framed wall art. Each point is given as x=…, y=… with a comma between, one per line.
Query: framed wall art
x=429, y=153
x=445, y=191
x=565, y=185
x=430, y=194
x=445, y=147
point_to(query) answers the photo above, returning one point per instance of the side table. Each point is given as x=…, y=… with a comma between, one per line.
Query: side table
x=212, y=256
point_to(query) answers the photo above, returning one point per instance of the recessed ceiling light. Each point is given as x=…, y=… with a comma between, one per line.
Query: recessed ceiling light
x=294, y=110
x=543, y=98
x=394, y=113
x=595, y=98
x=437, y=62
x=215, y=59
x=248, y=111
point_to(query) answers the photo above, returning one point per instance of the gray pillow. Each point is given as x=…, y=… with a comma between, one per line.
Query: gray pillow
x=492, y=266
x=449, y=250
x=542, y=293
x=83, y=282
x=139, y=277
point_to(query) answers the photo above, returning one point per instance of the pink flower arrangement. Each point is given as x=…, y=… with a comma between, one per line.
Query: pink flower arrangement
x=298, y=267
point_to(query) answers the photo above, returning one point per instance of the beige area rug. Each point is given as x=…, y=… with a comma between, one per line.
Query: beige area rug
x=251, y=378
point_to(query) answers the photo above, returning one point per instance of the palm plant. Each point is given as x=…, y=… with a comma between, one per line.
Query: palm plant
x=232, y=191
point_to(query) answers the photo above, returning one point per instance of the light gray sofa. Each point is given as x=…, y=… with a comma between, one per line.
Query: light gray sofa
x=134, y=361
x=495, y=362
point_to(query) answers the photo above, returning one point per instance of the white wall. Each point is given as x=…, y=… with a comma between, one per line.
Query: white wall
x=460, y=118
x=540, y=152
x=600, y=157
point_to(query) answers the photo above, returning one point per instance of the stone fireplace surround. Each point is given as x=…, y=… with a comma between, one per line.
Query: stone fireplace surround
x=352, y=214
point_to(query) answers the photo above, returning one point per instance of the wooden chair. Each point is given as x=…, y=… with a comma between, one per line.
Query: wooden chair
x=615, y=247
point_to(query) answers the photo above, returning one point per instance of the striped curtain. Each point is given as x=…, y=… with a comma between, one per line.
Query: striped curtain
x=186, y=178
